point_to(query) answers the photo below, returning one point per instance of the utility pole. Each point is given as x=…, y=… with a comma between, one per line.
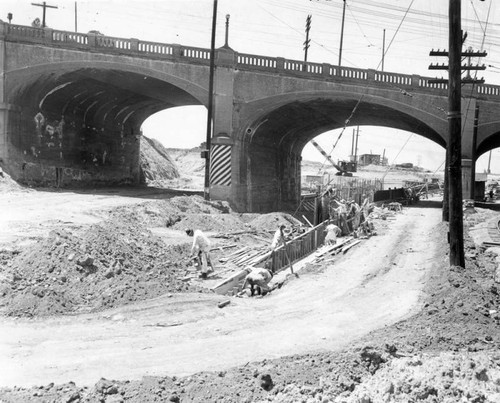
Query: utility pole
x=76, y=18
x=206, y=153
x=45, y=6
x=453, y=172
x=342, y=35
x=307, y=41
x=383, y=50
x=489, y=163
x=455, y=135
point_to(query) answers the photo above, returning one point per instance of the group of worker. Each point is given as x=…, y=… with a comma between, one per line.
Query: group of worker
x=349, y=216
x=257, y=278
x=346, y=217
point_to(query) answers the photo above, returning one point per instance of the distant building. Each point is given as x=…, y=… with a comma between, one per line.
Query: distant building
x=368, y=159
x=405, y=165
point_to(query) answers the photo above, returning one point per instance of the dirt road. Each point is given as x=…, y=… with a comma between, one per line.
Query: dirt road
x=375, y=284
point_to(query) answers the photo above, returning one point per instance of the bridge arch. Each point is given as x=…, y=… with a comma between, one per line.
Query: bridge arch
x=273, y=140
x=85, y=117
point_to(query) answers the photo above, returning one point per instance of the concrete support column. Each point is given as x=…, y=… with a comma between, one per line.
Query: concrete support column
x=289, y=174
x=223, y=167
x=4, y=155
x=8, y=113
x=468, y=152
x=3, y=109
x=467, y=182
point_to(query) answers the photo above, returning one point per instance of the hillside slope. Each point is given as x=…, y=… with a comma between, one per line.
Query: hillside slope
x=157, y=167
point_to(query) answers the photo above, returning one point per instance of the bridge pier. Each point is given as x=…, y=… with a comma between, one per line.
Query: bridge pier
x=468, y=148
x=6, y=114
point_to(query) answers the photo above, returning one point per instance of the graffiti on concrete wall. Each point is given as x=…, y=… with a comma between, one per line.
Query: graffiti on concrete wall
x=49, y=136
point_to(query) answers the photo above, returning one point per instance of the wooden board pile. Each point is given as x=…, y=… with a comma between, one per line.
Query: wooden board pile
x=246, y=256
x=326, y=252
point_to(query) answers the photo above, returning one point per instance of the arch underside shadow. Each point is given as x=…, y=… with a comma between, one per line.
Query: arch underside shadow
x=296, y=123
x=276, y=145
x=87, y=120
x=492, y=142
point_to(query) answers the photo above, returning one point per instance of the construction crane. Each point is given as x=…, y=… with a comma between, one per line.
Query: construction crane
x=341, y=171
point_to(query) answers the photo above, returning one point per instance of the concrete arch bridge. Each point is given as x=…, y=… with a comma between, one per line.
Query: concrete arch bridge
x=72, y=105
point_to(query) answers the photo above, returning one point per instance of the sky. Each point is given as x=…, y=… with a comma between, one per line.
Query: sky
x=277, y=28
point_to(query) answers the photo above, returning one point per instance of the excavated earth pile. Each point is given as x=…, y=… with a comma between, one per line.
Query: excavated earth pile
x=103, y=266
x=118, y=261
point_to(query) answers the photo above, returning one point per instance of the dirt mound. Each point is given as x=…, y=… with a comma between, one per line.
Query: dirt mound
x=157, y=167
x=103, y=266
x=109, y=264
x=225, y=223
x=271, y=221
x=8, y=184
x=445, y=377
x=168, y=212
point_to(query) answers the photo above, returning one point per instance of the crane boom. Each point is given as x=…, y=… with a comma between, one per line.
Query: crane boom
x=323, y=152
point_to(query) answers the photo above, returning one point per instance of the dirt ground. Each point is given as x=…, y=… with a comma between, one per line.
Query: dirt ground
x=96, y=307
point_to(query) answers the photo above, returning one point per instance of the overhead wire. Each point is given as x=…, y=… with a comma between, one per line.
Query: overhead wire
x=475, y=72
x=363, y=94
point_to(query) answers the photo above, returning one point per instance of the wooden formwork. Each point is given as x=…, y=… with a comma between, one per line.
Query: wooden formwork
x=293, y=250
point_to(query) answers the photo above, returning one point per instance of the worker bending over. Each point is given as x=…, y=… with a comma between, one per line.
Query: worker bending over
x=201, y=250
x=258, y=279
x=332, y=231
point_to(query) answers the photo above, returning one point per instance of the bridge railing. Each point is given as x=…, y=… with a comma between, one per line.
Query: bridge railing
x=136, y=47
x=393, y=78
x=263, y=62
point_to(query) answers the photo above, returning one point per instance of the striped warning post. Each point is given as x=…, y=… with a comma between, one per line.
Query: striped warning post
x=220, y=165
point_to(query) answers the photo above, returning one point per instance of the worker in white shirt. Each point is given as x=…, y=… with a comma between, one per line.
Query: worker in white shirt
x=278, y=237
x=332, y=231
x=258, y=279
x=201, y=249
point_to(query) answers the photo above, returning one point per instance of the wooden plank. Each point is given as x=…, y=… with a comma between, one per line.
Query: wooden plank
x=346, y=248
x=228, y=284
x=307, y=221
x=487, y=243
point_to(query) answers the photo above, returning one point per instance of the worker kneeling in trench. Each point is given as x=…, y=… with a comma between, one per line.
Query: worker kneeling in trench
x=258, y=279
